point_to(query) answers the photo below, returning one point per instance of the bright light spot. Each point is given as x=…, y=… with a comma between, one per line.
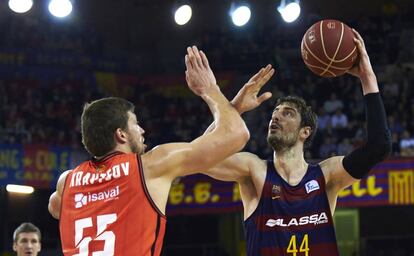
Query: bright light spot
x=20, y=6
x=19, y=189
x=183, y=14
x=60, y=8
x=290, y=12
x=241, y=16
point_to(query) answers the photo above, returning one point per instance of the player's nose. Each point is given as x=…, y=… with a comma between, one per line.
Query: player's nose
x=141, y=130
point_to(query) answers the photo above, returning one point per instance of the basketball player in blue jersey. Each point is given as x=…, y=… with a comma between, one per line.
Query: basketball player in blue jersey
x=288, y=203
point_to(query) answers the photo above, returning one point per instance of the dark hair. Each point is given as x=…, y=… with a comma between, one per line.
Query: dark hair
x=26, y=227
x=100, y=119
x=308, y=117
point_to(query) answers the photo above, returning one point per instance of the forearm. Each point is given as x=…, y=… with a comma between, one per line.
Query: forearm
x=237, y=107
x=369, y=83
x=226, y=117
x=378, y=145
x=213, y=124
x=54, y=205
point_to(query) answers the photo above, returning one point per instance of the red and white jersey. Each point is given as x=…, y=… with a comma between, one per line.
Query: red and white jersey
x=106, y=210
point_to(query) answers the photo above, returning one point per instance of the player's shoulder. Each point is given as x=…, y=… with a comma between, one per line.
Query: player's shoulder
x=62, y=180
x=164, y=149
x=253, y=160
x=65, y=173
x=331, y=163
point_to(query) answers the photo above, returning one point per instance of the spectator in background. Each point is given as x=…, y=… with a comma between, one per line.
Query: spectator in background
x=407, y=144
x=323, y=119
x=332, y=104
x=395, y=144
x=344, y=147
x=395, y=125
x=26, y=240
x=339, y=120
x=328, y=148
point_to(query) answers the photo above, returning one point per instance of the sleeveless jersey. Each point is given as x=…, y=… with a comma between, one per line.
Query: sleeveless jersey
x=292, y=220
x=106, y=210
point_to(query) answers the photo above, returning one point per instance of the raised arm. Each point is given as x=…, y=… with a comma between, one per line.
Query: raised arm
x=228, y=137
x=343, y=171
x=247, y=98
x=55, y=199
x=234, y=168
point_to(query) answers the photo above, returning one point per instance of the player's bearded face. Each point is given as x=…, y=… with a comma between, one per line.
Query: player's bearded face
x=135, y=136
x=284, y=128
x=137, y=145
x=282, y=140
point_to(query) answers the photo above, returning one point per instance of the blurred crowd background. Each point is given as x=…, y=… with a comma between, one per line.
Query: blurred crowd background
x=37, y=107
x=49, y=69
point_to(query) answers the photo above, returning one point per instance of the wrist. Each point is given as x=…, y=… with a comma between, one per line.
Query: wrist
x=369, y=83
x=210, y=91
x=236, y=106
x=368, y=78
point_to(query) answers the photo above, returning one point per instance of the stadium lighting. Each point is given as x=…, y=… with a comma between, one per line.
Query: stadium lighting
x=19, y=189
x=290, y=12
x=60, y=8
x=183, y=14
x=240, y=15
x=20, y=6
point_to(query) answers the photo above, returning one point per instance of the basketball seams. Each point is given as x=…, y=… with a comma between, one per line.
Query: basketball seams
x=337, y=47
x=318, y=59
x=346, y=57
x=309, y=50
x=317, y=67
x=322, y=62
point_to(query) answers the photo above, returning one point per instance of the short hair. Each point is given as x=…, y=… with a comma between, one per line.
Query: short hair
x=307, y=115
x=26, y=227
x=99, y=121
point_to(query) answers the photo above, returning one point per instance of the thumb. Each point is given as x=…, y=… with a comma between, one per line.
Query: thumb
x=187, y=77
x=265, y=96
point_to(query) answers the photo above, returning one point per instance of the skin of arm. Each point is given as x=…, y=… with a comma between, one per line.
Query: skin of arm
x=56, y=198
x=229, y=136
x=166, y=162
x=337, y=178
x=247, y=98
x=249, y=171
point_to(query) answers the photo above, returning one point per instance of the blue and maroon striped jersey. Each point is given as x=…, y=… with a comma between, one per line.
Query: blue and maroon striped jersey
x=292, y=220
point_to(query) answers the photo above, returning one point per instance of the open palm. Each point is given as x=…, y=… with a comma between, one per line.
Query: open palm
x=247, y=98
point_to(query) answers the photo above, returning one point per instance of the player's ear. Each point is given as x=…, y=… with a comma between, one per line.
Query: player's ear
x=14, y=246
x=306, y=132
x=120, y=135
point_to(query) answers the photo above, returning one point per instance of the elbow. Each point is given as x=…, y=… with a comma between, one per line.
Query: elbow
x=243, y=135
x=379, y=151
x=232, y=136
x=381, y=148
x=54, y=206
x=53, y=212
x=386, y=150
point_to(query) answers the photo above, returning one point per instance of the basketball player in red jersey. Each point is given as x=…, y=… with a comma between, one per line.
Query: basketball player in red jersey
x=115, y=203
x=288, y=203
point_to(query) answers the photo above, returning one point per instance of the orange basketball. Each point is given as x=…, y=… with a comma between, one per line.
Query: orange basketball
x=328, y=48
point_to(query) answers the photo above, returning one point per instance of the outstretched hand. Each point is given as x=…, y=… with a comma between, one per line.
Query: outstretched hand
x=363, y=68
x=199, y=76
x=247, y=98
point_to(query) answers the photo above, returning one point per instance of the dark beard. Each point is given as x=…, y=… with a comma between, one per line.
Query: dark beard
x=135, y=148
x=281, y=143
